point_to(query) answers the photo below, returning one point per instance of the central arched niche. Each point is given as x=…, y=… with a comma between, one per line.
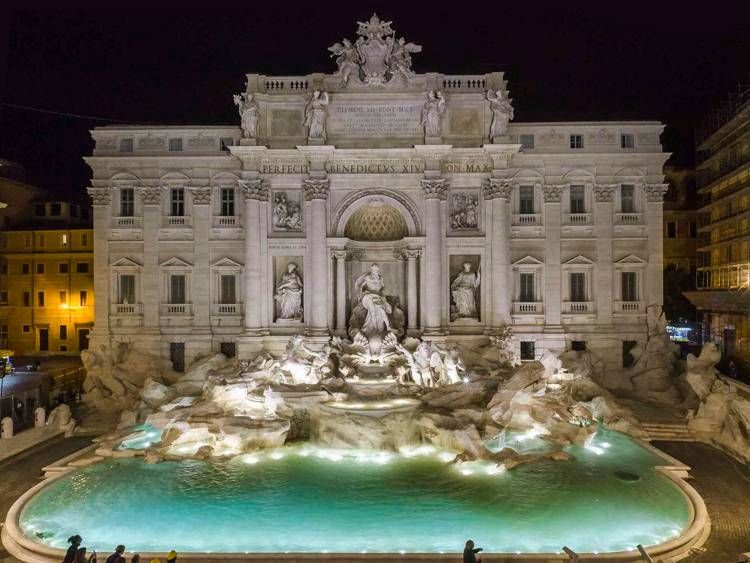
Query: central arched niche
x=376, y=221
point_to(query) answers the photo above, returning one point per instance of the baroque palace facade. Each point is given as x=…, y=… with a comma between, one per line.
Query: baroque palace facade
x=236, y=238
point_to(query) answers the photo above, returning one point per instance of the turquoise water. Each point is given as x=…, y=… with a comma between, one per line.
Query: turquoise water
x=304, y=499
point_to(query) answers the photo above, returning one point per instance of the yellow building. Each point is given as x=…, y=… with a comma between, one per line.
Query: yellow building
x=47, y=281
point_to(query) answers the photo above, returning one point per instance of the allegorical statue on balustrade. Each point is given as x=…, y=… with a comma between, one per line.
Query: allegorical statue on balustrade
x=248, y=110
x=347, y=59
x=502, y=112
x=375, y=321
x=463, y=291
x=432, y=113
x=289, y=294
x=316, y=114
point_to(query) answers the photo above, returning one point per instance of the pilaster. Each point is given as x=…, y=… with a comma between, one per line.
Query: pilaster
x=254, y=191
x=201, y=297
x=655, y=229
x=101, y=199
x=553, y=270
x=497, y=192
x=151, y=198
x=316, y=195
x=603, y=220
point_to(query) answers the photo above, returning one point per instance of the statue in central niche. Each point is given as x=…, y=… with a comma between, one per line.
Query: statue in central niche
x=375, y=321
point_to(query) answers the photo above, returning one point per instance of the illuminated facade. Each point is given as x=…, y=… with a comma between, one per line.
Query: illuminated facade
x=46, y=281
x=235, y=238
x=723, y=178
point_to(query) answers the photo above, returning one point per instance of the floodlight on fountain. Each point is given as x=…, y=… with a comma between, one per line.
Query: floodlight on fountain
x=447, y=457
x=250, y=459
x=416, y=451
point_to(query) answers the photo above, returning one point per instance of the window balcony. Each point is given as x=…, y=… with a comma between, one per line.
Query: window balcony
x=628, y=307
x=127, y=222
x=226, y=309
x=527, y=308
x=628, y=218
x=176, y=309
x=226, y=222
x=523, y=219
x=576, y=218
x=177, y=222
x=128, y=309
x=578, y=307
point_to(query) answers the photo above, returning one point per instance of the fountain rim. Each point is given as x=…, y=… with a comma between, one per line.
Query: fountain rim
x=28, y=550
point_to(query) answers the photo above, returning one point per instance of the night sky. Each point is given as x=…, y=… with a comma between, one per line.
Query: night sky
x=583, y=62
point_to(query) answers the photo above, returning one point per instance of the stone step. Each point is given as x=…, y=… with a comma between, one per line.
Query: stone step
x=676, y=431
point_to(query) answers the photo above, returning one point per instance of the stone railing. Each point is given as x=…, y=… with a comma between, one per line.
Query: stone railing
x=527, y=218
x=127, y=222
x=223, y=309
x=628, y=218
x=578, y=307
x=527, y=308
x=176, y=309
x=629, y=307
x=464, y=82
x=128, y=308
x=177, y=221
x=576, y=218
x=222, y=222
x=285, y=84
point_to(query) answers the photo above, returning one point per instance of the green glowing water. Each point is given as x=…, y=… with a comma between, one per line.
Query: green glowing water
x=305, y=499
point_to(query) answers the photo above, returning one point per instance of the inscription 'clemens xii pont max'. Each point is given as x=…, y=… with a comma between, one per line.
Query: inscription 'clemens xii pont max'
x=382, y=120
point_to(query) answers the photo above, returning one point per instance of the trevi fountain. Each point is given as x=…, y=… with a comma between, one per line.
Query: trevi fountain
x=406, y=370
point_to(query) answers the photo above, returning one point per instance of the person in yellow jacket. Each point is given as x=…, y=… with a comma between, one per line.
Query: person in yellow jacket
x=172, y=557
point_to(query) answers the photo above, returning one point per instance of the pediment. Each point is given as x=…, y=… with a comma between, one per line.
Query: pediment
x=125, y=262
x=528, y=261
x=226, y=263
x=631, y=259
x=579, y=260
x=175, y=262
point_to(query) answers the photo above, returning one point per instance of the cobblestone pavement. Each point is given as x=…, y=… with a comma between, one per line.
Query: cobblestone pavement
x=23, y=471
x=724, y=485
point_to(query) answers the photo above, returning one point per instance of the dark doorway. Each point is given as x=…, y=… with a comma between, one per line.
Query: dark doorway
x=730, y=343
x=228, y=349
x=177, y=355
x=83, y=339
x=44, y=340
x=578, y=345
x=627, y=357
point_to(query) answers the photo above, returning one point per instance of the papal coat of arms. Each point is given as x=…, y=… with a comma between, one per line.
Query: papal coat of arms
x=376, y=57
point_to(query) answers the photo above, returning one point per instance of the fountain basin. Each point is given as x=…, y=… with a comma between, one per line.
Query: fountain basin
x=322, y=502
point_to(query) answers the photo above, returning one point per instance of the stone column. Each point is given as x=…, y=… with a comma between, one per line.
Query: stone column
x=654, y=193
x=604, y=282
x=316, y=282
x=497, y=192
x=101, y=201
x=412, y=290
x=254, y=192
x=552, y=269
x=200, y=285
x=435, y=191
x=340, y=256
x=150, y=283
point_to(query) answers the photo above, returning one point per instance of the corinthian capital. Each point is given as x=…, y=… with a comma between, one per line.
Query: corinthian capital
x=316, y=188
x=553, y=192
x=655, y=192
x=435, y=188
x=100, y=196
x=497, y=188
x=254, y=189
x=201, y=196
x=150, y=195
x=604, y=192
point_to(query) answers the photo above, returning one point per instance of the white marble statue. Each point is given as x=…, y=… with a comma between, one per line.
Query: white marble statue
x=371, y=290
x=316, y=113
x=271, y=402
x=400, y=59
x=463, y=290
x=287, y=214
x=502, y=112
x=432, y=113
x=248, y=110
x=289, y=294
x=347, y=59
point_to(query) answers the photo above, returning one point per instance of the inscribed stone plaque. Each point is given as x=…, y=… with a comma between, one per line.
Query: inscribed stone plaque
x=375, y=120
x=465, y=122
